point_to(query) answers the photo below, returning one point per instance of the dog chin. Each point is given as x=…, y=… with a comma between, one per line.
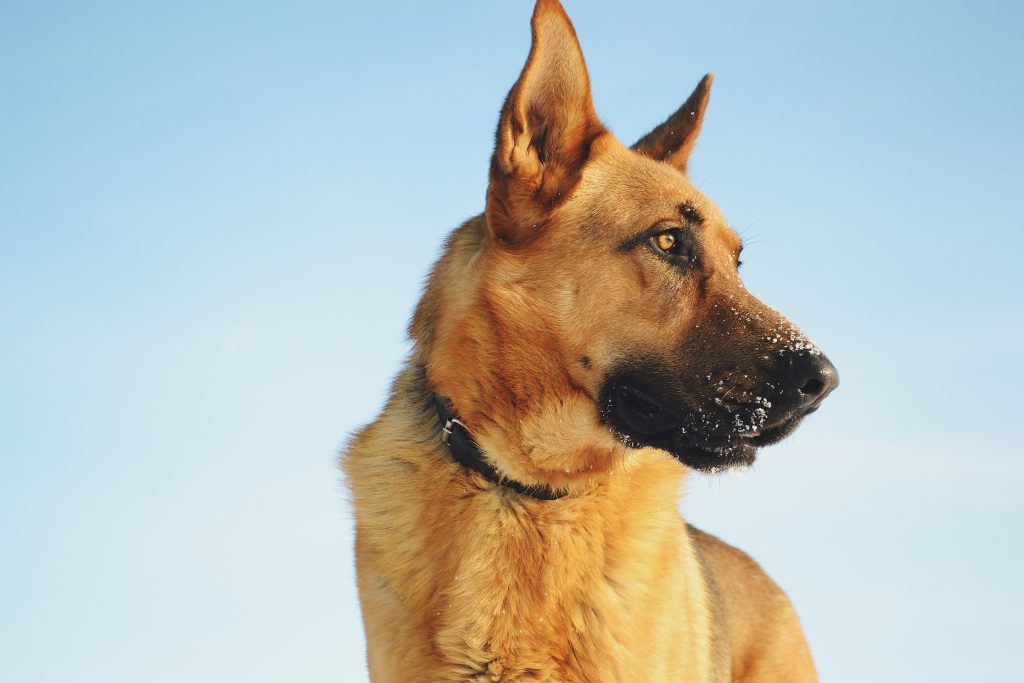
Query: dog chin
x=738, y=454
x=739, y=451
x=711, y=454
x=697, y=452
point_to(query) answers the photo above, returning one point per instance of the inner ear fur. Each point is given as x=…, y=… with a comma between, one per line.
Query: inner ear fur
x=673, y=140
x=545, y=130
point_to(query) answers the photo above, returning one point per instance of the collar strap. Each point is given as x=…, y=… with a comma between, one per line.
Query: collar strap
x=464, y=450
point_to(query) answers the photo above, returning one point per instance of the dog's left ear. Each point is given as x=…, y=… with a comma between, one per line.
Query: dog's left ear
x=545, y=131
x=673, y=140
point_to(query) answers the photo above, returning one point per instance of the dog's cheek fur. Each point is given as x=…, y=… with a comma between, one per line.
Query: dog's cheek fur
x=495, y=350
x=567, y=436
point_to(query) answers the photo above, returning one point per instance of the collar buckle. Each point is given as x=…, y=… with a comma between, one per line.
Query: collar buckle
x=465, y=452
x=446, y=430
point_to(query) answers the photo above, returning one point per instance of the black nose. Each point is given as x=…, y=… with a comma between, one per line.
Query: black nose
x=811, y=374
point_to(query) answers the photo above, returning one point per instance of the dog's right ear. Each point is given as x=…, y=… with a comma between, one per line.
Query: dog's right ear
x=545, y=131
x=673, y=140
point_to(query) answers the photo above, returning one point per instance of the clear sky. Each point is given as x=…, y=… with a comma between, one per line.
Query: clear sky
x=215, y=218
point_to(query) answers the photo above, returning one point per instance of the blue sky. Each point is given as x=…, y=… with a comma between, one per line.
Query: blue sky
x=215, y=219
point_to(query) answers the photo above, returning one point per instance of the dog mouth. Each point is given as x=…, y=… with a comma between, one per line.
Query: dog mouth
x=706, y=440
x=712, y=454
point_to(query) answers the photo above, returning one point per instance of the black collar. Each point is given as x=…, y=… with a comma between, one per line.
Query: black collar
x=460, y=444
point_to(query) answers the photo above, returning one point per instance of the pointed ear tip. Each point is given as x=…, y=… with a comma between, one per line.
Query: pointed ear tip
x=548, y=4
x=551, y=23
x=708, y=79
x=547, y=10
x=545, y=6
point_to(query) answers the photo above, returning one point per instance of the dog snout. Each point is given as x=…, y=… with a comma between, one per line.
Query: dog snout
x=811, y=374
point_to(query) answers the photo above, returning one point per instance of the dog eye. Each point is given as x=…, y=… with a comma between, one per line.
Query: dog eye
x=668, y=241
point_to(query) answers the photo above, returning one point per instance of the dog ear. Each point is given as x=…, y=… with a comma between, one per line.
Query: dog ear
x=673, y=140
x=546, y=127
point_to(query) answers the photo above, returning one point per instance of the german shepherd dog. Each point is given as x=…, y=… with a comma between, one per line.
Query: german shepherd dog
x=579, y=346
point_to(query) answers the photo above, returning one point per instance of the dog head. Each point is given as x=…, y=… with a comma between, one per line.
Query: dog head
x=596, y=306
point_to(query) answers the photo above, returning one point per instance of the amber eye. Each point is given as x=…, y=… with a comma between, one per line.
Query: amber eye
x=667, y=241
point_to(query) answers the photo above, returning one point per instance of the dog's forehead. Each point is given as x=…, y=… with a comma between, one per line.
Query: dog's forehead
x=623, y=191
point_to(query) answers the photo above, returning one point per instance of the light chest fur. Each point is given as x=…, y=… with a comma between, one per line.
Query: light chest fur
x=461, y=582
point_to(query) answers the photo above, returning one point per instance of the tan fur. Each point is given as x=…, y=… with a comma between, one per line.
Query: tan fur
x=531, y=303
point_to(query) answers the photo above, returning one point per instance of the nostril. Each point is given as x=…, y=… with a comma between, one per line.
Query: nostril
x=811, y=374
x=813, y=387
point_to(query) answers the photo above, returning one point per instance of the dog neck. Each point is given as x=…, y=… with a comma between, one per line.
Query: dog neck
x=459, y=442
x=492, y=581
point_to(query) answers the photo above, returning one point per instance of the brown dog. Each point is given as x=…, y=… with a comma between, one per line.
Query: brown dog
x=515, y=503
